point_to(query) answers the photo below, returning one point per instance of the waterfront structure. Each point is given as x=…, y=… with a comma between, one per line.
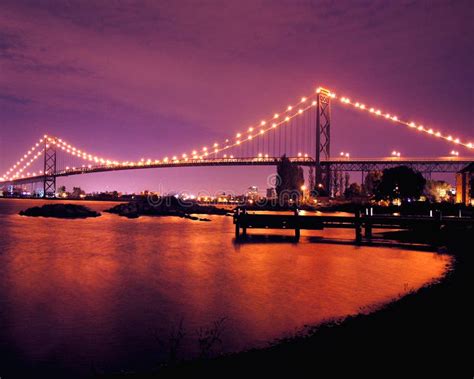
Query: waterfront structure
x=465, y=185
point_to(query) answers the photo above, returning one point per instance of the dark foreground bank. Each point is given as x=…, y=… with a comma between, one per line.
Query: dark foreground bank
x=426, y=331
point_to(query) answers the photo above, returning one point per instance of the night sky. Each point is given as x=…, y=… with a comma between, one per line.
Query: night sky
x=148, y=79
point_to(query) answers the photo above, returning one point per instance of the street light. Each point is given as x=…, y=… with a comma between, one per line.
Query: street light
x=455, y=153
x=396, y=154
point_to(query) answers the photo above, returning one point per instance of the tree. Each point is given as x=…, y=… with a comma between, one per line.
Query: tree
x=311, y=179
x=372, y=181
x=400, y=183
x=336, y=180
x=77, y=192
x=437, y=190
x=62, y=190
x=291, y=179
x=352, y=191
x=347, y=177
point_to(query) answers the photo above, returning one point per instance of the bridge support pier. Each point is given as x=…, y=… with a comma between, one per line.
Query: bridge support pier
x=358, y=227
x=297, y=230
x=368, y=231
x=49, y=170
x=323, y=139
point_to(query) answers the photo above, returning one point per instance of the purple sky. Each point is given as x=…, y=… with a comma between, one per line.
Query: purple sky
x=148, y=79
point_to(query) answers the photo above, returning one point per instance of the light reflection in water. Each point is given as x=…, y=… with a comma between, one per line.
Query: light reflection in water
x=104, y=291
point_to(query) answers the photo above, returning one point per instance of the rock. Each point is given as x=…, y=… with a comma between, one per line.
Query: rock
x=165, y=206
x=69, y=211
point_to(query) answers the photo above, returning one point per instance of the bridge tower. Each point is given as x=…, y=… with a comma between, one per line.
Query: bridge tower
x=323, y=139
x=49, y=171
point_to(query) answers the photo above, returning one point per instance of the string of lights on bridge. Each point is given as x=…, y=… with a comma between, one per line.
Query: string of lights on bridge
x=255, y=131
x=302, y=106
x=411, y=124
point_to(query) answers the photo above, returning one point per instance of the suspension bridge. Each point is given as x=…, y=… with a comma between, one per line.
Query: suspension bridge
x=301, y=132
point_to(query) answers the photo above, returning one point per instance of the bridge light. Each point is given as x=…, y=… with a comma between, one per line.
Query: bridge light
x=194, y=152
x=250, y=130
x=263, y=122
x=262, y=131
x=289, y=107
x=303, y=99
x=420, y=128
x=184, y=155
x=299, y=154
x=300, y=111
x=260, y=155
x=394, y=118
x=378, y=112
x=314, y=102
x=274, y=125
x=204, y=148
x=238, y=135
x=276, y=115
x=237, y=142
x=362, y=106
x=469, y=145
x=357, y=105
x=449, y=138
x=216, y=144
x=456, y=140
x=249, y=138
x=430, y=131
x=287, y=119
x=371, y=110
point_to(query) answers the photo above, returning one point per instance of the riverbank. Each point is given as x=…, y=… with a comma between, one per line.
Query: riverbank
x=424, y=330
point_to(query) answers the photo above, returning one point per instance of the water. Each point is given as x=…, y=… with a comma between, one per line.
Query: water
x=108, y=292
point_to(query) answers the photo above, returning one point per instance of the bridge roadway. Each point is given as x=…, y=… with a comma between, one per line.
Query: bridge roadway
x=423, y=165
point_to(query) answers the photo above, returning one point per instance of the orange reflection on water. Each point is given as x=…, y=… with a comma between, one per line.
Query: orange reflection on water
x=100, y=290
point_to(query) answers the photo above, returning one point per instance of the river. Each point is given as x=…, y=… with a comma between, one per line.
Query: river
x=109, y=293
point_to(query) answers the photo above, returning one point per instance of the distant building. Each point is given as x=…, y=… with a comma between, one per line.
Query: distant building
x=271, y=193
x=252, y=193
x=465, y=185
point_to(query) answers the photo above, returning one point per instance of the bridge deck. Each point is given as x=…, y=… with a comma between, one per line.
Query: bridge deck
x=443, y=164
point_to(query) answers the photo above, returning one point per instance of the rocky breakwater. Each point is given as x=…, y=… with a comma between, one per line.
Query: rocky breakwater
x=165, y=206
x=69, y=211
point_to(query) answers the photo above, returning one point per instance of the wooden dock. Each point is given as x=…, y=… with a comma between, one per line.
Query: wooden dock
x=245, y=220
